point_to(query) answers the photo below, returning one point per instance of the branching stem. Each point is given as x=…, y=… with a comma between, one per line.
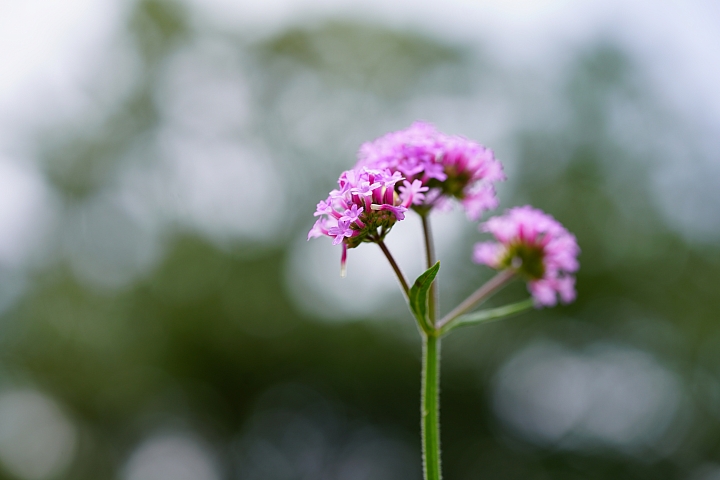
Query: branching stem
x=481, y=294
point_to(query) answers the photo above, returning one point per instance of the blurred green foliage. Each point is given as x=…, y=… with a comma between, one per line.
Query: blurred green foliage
x=198, y=339
x=372, y=59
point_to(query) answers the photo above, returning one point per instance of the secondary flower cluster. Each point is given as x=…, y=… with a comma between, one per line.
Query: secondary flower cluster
x=421, y=168
x=535, y=246
x=450, y=166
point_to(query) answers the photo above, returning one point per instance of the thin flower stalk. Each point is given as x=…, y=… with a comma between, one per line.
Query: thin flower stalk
x=395, y=267
x=478, y=296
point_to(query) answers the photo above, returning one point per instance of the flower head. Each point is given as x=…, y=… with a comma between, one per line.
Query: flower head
x=535, y=246
x=363, y=209
x=445, y=166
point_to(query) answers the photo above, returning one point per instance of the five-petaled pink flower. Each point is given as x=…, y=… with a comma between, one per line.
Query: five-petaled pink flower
x=535, y=246
x=445, y=166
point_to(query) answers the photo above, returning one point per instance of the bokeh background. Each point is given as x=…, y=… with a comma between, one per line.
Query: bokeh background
x=163, y=317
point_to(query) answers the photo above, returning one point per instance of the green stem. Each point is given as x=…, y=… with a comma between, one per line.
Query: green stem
x=395, y=267
x=485, y=316
x=433, y=303
x=430, y=407
x=480, y=295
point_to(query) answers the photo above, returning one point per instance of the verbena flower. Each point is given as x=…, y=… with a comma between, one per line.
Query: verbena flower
x=447, y=166
x=535, y=246
x=364, y=208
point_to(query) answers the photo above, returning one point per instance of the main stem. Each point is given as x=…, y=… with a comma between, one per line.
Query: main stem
x=433, y=303
x=430, y=407
x=430, y=402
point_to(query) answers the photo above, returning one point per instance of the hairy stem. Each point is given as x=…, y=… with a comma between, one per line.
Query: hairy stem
x=395, y=267
x=433, y=301
x=430, y=407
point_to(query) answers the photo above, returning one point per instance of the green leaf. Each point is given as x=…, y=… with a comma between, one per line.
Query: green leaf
x=484, y=316
x=418, y=295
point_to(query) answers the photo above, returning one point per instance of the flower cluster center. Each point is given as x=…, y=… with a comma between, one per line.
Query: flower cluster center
x=454, y=185
x=526, y=259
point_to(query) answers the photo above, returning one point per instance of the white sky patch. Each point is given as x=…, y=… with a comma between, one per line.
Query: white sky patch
x=213, y=180
x=204, y=91
x=176, y=456
x=222, y=188
x=26, y=211
x=606, y=395
x=46, y=51
x=37, y=440
x=677, y=43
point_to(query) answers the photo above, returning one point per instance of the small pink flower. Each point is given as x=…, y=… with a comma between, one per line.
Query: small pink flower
x=412, y=193
x=446, y=166
x=352, y=214
x=535, y=246
x=363, y=209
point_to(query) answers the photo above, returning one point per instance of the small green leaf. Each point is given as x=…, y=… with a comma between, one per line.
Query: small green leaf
x=418, y=295
x=484, y=316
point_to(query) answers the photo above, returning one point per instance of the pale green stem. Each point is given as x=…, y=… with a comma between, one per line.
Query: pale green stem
x=430, y=401
x=485, y=316
x=430, y=407
x=480, y=295
x=433, y=303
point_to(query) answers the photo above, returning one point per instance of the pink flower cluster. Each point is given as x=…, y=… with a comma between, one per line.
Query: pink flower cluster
x=536, y=246
x=365, y=207
x=421, y=168
x=448, y=166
